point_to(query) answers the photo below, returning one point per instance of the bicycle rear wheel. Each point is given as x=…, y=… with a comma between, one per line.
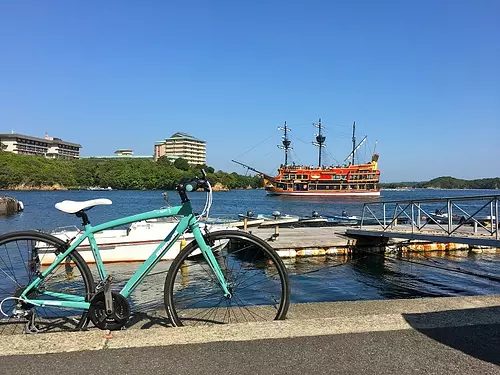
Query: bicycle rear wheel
x=256, y=276
x=23, y=255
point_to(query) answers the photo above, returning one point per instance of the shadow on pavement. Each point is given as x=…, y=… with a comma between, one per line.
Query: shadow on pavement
x=145, y=320
x=475, y=332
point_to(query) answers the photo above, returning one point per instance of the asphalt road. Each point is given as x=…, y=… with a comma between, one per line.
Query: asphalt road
x=452, y=350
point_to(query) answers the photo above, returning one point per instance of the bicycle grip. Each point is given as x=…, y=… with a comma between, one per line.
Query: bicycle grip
x=191, y=186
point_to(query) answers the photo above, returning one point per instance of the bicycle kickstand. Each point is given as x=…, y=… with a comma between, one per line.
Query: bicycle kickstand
x=30, y=327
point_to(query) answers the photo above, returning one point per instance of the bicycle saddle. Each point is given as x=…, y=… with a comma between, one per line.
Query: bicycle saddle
x=72, y=207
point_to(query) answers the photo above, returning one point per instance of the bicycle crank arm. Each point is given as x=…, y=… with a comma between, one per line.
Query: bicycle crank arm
x=108, y=297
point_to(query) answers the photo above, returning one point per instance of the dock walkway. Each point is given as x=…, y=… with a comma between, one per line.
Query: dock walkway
x=293, y=242
x=431, y=233
x=471, y=220
x=339, y=240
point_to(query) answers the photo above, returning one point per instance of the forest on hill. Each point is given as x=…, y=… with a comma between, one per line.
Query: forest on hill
x=447, y=182
x=32, y=172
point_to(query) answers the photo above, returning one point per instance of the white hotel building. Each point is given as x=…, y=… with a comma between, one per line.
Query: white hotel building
x=182, y=145
x=49, y=147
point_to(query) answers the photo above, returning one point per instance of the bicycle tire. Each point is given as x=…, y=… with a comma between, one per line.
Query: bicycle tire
x=22, y=256
x=193, y=296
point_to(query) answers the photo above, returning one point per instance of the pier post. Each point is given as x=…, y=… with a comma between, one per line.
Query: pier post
x=367, y=244
x=497, y=217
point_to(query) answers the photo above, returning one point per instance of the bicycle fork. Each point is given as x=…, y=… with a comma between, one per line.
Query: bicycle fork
x=209, y=256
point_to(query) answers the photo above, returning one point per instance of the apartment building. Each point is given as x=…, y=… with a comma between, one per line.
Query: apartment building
x=49, y=147
x=182, y=145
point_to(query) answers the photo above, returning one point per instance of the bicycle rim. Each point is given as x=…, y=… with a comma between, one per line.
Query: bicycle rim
x=256, y=277
x=22, y=256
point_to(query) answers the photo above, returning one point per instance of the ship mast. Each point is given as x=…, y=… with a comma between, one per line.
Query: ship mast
x=320, y=141
x=354, y=146
x=286, y=142
x=353, y=141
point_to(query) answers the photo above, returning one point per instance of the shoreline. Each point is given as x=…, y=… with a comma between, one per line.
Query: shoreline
x=57, y=187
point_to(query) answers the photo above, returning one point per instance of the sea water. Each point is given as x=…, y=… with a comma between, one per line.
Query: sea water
x=326, y=278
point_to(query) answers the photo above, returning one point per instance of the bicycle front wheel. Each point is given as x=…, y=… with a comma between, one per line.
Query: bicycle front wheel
x=23, y=255
x=256, y=277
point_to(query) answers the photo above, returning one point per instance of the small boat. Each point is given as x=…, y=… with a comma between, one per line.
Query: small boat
x=251, y=219
x=442, y=218
x=134, y=244
x=344, y=219
x=263, y=220
x=231, y=222
x=285, y=220
x=98, y=188
x=315, y=220
x=277, y=218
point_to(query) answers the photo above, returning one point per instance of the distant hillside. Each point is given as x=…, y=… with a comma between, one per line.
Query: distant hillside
x=448, y=182
x=35, y=172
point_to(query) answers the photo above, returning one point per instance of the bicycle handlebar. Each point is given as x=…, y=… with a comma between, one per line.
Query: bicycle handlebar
x=192, y=185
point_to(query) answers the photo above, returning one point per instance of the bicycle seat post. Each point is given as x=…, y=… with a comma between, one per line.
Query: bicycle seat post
x=83, y=215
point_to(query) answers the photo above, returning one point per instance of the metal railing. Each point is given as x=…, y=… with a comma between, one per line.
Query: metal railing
x=447, y=214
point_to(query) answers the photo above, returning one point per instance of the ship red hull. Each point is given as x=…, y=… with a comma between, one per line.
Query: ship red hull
x=331, y=193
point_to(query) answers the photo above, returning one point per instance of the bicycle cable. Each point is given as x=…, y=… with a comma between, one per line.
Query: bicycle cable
x=14, y=298
x=208, y=202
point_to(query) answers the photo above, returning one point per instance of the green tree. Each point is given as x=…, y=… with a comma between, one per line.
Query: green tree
x=164, y=161
x=181, y=164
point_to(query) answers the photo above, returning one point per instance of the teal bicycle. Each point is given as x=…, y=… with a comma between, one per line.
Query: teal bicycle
x=225, y=276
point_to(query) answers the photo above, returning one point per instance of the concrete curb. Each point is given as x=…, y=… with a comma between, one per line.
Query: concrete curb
x=365, y=316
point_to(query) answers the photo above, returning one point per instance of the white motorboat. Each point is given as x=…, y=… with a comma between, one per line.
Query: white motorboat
x=239, y=223
x=277, y=218
x=311, y=221
x=134, y=244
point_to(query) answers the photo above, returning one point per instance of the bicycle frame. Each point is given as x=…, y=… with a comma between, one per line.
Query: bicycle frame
x=188, y=222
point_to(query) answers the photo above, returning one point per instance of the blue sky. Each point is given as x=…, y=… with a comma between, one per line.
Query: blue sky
x=420, y=77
